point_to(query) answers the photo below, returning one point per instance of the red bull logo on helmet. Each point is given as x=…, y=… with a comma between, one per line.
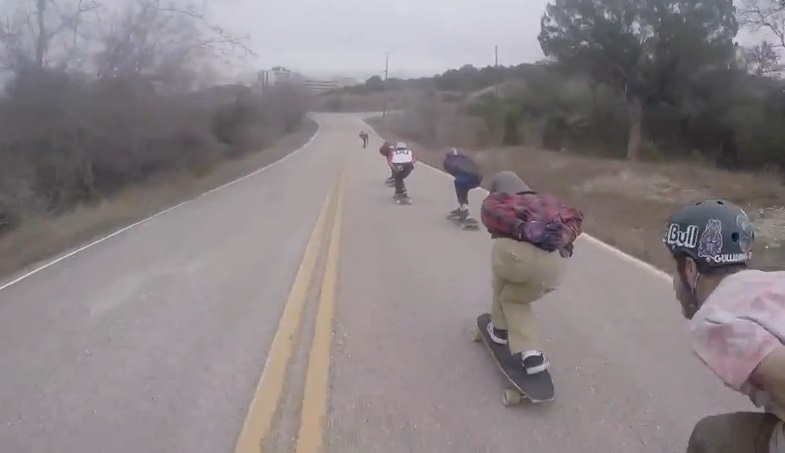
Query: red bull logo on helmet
x=686, y=237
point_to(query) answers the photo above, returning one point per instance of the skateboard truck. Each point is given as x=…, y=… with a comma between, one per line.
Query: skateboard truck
x=510, y=397
x=466, y=224
x=470, y=224
x=402, y=199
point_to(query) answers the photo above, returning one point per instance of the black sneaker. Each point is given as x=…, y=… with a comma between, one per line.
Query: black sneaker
x=498, y=336
x=458, y=214
x=534, y=362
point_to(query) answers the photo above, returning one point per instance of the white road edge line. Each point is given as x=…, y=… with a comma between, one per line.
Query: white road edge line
x=126, y=228
x=609, y=248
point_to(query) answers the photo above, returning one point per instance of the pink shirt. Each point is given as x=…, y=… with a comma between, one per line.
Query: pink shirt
x=738, y=326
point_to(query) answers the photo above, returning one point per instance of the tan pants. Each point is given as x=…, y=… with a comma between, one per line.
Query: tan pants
x=522, y=273
x=738, y=432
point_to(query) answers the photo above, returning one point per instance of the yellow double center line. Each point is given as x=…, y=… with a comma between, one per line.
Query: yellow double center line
x=269, y=391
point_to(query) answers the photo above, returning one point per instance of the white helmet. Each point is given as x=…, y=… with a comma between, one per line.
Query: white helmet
x=401, y=146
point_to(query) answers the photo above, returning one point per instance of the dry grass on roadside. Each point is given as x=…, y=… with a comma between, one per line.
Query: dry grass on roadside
x=625, y=205
x=43, y=237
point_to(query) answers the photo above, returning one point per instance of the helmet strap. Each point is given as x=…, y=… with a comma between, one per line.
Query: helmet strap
x=692, y=304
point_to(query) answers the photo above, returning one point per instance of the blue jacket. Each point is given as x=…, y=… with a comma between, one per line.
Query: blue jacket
x=461, y=167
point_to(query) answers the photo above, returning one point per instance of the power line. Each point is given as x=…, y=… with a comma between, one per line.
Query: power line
x=384, y=85
x=496, y=65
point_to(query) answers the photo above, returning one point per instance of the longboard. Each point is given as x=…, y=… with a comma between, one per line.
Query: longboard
x=466, y=224
x=402, y=200
x=537, y=388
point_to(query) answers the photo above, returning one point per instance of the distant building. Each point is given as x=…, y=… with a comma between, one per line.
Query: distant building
x=322, y=86
x=347, y=81
x=280, y=75
x=263, y=80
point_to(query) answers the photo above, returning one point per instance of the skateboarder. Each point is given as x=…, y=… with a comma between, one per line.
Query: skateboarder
x=364, y=137
x=385, y=151
x=467, y=177
x=533, y=233
x=402, y=163
x=736, y=323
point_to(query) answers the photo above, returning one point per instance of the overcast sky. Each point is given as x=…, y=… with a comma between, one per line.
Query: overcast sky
x=350, y=37
x=423, y=37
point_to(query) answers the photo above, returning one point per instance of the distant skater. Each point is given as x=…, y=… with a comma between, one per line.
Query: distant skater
x=385, y=151
x=401, y=162
x=467, y=177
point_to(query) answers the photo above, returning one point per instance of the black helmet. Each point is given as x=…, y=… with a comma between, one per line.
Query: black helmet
x=509, y=182
x=713, y=232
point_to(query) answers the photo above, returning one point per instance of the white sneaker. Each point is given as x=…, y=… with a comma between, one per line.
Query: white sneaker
x=498, y=336
x=534, y=362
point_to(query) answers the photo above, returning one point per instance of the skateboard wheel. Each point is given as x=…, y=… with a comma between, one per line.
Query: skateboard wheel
x=476, y=336
x=510, y=397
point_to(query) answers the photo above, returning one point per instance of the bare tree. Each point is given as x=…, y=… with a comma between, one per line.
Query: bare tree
x=762, y=60
x=42, y=32
x=100, y=98
x=767, y=16
x=166, y=44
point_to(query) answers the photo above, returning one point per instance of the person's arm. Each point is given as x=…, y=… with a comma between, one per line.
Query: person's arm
x=447, y=164
x=731, y=346
x=451, y=166
x=469, y=167
x=737, y=331
x=770, y=373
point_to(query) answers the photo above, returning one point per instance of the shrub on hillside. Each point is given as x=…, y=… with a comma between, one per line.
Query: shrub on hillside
x=77, y=125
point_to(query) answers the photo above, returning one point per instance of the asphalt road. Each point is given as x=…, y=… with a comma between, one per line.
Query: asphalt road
x=154, y=340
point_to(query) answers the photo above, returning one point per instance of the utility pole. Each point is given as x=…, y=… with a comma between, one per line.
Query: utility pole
x=496, y=65
x=384, y=85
